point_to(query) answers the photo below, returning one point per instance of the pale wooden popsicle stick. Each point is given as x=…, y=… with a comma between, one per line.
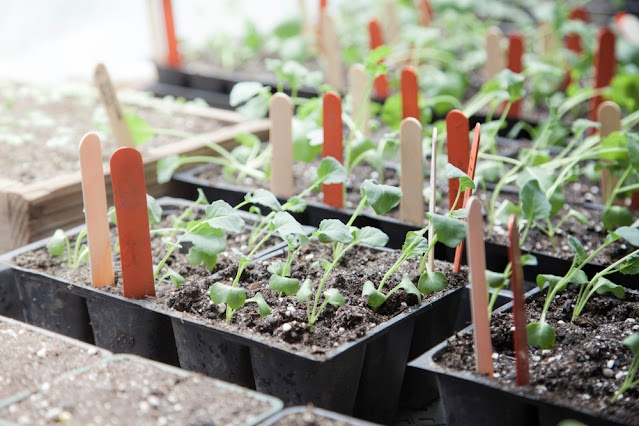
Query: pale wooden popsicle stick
x=411, y=206
x=519, y=310
x=357, y=85
x=129, y=195
x=281, y=136
x=433, y=195
x=609, y=116
x=110, y=101
x=332, y=61
x=393, y=28
x=158, y=35
x=479, y=291
x=95, y=211
x=307, y=31
x=494, y=55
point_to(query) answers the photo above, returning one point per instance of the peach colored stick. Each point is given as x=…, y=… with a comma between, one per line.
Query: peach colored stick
x=393, y=28
x=381, y=82
x=129, y=195
x=173, y=57
x=479, y=291
x=515, y=55
x=494, y=56
x=410, y=91
x=332, y=146
x=425, y=11
x=357, y=85
x=519, y=310
x=458, y=150
x=110, y=101
x=332, y=62
x=281, y=136
x=604, y=63
x=609, y=116
x=433, y=194
x=411, y=206
x=95, y=210
x=472, y=165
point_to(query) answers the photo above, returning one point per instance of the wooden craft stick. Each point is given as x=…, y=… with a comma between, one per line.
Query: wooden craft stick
x=609, y=116
x=479, y=290
x=306, y=25
x=494, y=56
x=472, y=165
x=129, y=196
x=411, y=206
x=604, y=63
x=393, y=28
x=95, y=211
x=357, y=85
x=330, y=52
x=158, y=36
x=425, y=12
x=572, y=41
x=433, y=194
x=332, y=146
x=381, y=82
x=109, y=99
x=458, y=150
x=410, y=90
x=281, y=137
x=515, y=55
x=519, y=310
x=173, y=56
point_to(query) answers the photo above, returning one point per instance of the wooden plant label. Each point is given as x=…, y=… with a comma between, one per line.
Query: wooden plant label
x=494, y=56
x=572, y=40
x=158, y=36
x=331, y=54
x=95, y=210
x=433, y=195
x=609, y=116
x=479, y=290
x=425, y=12
x=604, y=63
x=519, y=309
x=306, y=25
x=173, y=56
x=110, y=101
x=357, y=89
x=332, y=146
x=411, y=206
x=515, y=54
x=472, y=165
x=393, y=28
x=281, y=137
x=381, y=82
x=458, y=150
x=410, y=91
x=129, y=195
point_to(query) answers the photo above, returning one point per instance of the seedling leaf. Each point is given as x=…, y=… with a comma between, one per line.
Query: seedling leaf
x=374, y=297
x=283, y=223
x=263, y=307
x=496, y=279
x=154, y=210
x=552, y=280
x=578, y=248
x=305, y=291
x=295, y=204
x=264, y=198
x=175, y=277
x=407, y=285
x=333, y=297
x=244, y=91
x=604, y=286
x=234, y=297
x=371, y=236
x=541, y=335
x=430, y=282
x=616, y=216
x=630, y=266
x=632, y=342
x=630, y=234
x=140, y=130
x=465, y=182
x=534, y=204
x=288, y=286
x=420, y=247
x=197, y=256
x=450, y=231
x=166, y=167
x=528, y=260
x=330, y=171
x=211, y=241
x=333, y=230
x=57, y=243
x=383, y=198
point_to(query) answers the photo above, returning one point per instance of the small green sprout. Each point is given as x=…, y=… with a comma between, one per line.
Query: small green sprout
x=632, y=342
x=59, y=243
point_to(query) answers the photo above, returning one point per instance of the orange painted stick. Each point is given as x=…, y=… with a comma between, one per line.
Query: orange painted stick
x=425, y=12
x=332, y=146
x=472, y=165
x=572, y=41
x=479, y=290
x=519, y=310
x=129, y=195
x=173, y=58
x=95, y=210
x=381, y=82
x=458, y=150
x=604, y=63
x=410, y=90
x=515, y=54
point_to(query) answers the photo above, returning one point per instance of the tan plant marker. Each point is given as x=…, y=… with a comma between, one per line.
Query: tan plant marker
x=281, y=137
x=479, y=290
x=95, y=210
x=433, y=195
x=609, y=116
x=393, y=28
x=357, y=85
x=109, y=99
x=411, y=206
x=494, y=56
x=332, y=61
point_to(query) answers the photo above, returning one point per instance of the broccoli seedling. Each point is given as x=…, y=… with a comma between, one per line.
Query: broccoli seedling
x=632, y=342
x=60, y=243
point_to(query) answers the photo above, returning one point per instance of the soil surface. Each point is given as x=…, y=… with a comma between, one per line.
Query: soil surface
x=585, y=368
x=127, y=391
x=309, y=417
x=41, y=127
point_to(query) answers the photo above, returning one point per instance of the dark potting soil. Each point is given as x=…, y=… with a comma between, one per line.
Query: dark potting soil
x=133, y=392
x=585, y=368
x=287, y=325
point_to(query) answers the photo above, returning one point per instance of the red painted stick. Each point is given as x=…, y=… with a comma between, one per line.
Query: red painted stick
x=410, y=90
x=519, y=310
x=381, y=83
x=332, y=146
x=472, y=165
x=173, y=58
x=515, y=54
x=458, y=150
x=129, y=195
x=425, y=12
x=604, y=63
x=572, y=41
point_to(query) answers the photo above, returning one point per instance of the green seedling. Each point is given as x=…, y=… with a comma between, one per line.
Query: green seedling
x=629, y=381
x=60, y=243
